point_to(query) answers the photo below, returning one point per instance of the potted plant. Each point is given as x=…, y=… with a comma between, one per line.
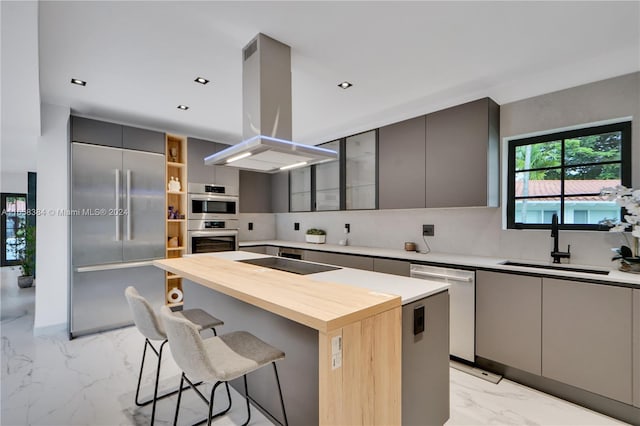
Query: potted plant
x=26, y=255
x=629, y=199
x=316, y=236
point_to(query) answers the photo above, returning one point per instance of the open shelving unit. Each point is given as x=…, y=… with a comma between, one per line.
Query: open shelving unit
x=176, y=166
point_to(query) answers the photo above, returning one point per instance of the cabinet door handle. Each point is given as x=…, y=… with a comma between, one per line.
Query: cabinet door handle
x=128, y=205
x=117, y=216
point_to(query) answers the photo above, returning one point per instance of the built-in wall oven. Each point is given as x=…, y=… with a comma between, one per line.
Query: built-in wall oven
x=212, y=224
x=212, y=202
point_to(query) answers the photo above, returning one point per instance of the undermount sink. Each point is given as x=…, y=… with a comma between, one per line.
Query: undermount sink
x=560, y=267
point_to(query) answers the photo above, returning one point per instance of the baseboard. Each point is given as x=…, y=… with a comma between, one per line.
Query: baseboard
x=592, y=401
x=50, y=329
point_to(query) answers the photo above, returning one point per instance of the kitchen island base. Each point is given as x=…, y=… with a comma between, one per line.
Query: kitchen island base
x=425, y=360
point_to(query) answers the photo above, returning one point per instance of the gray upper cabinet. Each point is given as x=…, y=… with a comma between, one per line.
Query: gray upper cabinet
x=197, y=150
x=402, y=176
x=462, y=153
x=142, y=139
x=96, y=132
x=508, y=319
x=263, y=192
x=255, y=192
x=587, y=335
x=279, y=192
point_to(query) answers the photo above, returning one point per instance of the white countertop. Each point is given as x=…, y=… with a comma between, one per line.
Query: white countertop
x=614, y=276
x=409, y=289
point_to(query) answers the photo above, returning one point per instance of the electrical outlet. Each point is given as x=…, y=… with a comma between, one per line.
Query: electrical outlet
x=347, y=228
x=428, y=230
x=250, y=226
x=296, y=226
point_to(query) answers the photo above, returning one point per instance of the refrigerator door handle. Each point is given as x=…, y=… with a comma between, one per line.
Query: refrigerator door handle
x=128, y=212
x=117, y=216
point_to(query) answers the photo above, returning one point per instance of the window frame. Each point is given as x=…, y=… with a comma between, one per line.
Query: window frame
x=623, y=127
x=3, y=228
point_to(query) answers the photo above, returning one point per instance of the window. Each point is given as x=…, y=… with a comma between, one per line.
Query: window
x=563, y=173
x=13, y=213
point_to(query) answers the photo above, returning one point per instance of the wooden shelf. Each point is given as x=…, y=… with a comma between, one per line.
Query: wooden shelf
x=175, y=149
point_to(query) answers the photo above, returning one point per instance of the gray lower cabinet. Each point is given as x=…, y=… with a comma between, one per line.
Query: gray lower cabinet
x=401, y=153
x=508, y=319
x=587, y=335
x=197, y=150
x=270, y=250
x=636, y=347
x=392, y=266
x=462, y=151
x=96, y=132
x=425, y=363
x=346, y=260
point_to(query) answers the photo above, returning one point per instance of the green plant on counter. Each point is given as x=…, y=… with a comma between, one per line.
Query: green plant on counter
x=314, y=231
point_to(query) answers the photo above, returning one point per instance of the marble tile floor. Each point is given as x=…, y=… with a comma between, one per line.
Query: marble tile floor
x=49, y=380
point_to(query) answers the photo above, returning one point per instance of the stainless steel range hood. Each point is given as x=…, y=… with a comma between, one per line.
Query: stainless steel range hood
x=266, y=121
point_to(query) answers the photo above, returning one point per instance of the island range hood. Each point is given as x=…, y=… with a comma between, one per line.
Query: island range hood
x=266, y=121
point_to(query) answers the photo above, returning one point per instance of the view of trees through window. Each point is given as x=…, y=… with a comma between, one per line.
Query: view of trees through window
x=563, y=173
x=13, y=214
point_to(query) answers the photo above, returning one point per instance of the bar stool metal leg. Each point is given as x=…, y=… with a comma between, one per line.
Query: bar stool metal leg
x=155, y=398
x=246, y=397
x=284, y=412
x=209, y=401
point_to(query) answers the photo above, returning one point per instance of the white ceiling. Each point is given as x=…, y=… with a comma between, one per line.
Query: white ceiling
x=404, y=58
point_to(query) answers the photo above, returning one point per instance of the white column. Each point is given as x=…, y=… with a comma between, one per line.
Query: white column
x=52, y=237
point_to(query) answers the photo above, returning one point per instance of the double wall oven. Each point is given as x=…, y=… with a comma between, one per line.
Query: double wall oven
x=212, y=218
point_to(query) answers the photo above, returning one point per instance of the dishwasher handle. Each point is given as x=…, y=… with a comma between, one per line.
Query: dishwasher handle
x=444, y=276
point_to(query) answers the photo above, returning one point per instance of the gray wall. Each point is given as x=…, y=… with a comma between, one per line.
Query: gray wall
x=603, y=100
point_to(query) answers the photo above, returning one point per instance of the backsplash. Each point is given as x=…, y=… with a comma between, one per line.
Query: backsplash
x=472, y=231
x=264, y=226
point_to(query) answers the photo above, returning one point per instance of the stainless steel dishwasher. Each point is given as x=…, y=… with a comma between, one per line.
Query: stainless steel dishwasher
x=462, y=312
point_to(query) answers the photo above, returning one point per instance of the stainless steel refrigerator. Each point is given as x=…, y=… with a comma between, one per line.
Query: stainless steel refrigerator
x=117, y=229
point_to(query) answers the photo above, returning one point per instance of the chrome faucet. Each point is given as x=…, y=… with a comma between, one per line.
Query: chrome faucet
x=555, y=234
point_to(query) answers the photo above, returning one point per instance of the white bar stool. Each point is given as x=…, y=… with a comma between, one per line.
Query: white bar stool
x=151, y=328
x=218, y=359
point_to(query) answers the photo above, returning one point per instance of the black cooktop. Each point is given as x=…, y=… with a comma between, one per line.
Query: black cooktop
x=288, y=265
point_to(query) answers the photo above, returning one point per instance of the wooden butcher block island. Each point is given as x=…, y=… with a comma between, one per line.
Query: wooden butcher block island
x=359, y=333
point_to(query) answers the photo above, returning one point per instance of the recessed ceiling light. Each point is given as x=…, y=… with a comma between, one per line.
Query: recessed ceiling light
x=183, y=107
x=345, y=85
x=78, y=82
x=201, y=80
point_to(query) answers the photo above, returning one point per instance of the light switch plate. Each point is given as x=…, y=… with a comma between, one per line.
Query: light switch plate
x=336, y=352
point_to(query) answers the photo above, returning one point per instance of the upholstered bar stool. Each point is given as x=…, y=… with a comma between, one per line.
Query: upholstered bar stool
x=218, y=360
x=151, y=328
